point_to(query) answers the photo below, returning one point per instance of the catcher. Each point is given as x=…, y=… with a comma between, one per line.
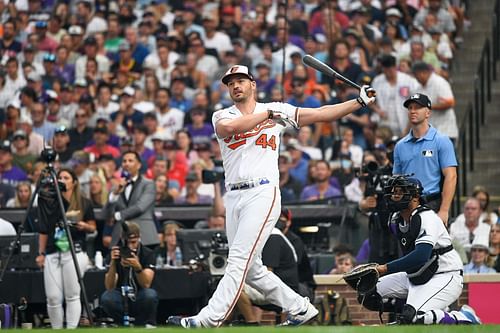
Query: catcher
x=429, y=275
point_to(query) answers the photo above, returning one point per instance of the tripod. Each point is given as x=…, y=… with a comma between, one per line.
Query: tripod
x=51, y=185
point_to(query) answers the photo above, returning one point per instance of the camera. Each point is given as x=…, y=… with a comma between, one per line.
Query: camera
x=48, y=155
x=213, y=176
x=375, y=177
x=217, y=259
x=125, y=252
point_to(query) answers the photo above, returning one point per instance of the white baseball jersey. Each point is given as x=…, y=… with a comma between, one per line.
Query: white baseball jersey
x=254, y=154
x=171, y=122
x=433, y=232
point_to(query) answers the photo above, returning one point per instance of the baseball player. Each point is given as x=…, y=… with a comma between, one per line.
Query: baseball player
x=249, y=136
x=429, y=275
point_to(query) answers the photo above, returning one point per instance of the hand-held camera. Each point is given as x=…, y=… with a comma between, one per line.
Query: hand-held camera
x=214, y=175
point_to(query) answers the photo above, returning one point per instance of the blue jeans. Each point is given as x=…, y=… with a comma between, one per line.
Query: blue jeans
x=143, y=309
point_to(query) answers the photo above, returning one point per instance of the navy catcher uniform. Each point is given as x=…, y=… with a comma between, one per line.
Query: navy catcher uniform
x=429, y=275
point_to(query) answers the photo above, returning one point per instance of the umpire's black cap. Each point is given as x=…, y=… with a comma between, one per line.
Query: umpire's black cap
x=420, y=99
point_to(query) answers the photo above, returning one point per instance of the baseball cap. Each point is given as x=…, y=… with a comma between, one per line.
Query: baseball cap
x=14, y=104
x=192, y=176
x=286, y=155
x=124, y=46
x=237, y=69
x=81, y=83
x=61, y=130
x=293, y=144
x=5, y=146
x=19, y=134
x=90, y=41
x=421, y=99
x=388, y=60
x=34, y=76
x=101, y=129
x=126, y=141
x=420, y=66
x=129, y=91
x=157, y=136
x=75, y=30
x=393, y=12
x=41, y=24
x=170, y=145
x=50, y=57
x=52, y=95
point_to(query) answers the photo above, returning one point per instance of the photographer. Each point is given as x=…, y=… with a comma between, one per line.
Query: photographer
x=60, y=277
x=383, y=246
x=131, y=266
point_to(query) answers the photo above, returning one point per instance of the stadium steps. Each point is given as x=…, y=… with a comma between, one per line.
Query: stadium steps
x=487, y=158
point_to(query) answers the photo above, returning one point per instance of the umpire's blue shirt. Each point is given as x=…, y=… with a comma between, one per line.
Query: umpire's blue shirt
x=425, y=157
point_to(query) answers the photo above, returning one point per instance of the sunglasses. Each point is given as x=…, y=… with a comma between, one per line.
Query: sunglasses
x=80, y=115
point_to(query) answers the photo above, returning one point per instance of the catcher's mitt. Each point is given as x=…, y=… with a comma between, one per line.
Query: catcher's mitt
x=363, y=278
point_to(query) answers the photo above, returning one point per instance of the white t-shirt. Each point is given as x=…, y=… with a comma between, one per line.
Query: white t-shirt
x=390, y=99
x=460, y=232
x=171, y=122
x=445, y=121
x=254, y=154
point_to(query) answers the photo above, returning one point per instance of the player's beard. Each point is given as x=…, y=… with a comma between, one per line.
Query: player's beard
x=241, y=98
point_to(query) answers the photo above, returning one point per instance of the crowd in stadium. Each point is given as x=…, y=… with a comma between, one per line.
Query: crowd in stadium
x=98, y=79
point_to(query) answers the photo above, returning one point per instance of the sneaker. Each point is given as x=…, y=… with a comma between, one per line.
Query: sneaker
x=301, y=318
x=186, y=322
x=470, y=314
x=149, y=326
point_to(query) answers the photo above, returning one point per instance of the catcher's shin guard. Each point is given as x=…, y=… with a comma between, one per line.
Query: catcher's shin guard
x=408, y=315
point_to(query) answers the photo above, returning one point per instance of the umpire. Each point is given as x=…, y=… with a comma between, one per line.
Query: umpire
x=429, y=156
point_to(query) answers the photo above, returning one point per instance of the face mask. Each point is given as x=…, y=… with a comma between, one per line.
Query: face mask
x=346, y=164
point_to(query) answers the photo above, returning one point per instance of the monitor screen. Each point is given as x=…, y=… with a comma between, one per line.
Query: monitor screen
x=194, y=242
x=23, y=257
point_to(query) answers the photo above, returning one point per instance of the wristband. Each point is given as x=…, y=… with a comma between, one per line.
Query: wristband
x=270, y=114
x=138, y=271
x=360, y=101
x=41, y=254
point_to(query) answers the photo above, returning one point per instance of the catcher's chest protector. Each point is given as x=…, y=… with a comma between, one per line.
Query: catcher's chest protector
x=407, y=234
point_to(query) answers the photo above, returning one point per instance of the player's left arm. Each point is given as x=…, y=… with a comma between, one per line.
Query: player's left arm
x=308, y=116
x=449, y=185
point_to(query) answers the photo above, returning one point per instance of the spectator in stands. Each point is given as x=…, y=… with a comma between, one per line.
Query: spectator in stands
x=494, y=258
x=9, y=173
x=134, y=269
x=40, y=125
x=163, y=196
x=80, y=162
x=133, y=198
x=199, y=129
x=61, y=144
x=192, y=196
x=14, y=80
x=101, y=137
x=305, y=140
x=439, y=92
x=206, y=63
x=298, y=167
x=169, y=250
x=81, y=133
x=478, y=257
x=393, y=88
x=140, y=134
x=481, y=194
x=22, y=158
x=290, y=188
x=436, y=164
x=444, y=19
x=321, y=189
x=343, y=263
x=465, y=230
x=98, y=190
x=22, y=198
x=169, y=119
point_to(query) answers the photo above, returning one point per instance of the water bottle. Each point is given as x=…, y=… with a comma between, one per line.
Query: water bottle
x=98, y=260
x=178, y=257
x=159, y=261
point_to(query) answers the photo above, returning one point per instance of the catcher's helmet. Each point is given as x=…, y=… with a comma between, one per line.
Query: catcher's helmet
x=409, y=188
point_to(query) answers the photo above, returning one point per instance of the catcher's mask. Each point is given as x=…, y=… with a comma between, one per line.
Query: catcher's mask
x=400, y=190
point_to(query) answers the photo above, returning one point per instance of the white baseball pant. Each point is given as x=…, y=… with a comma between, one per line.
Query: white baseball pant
x=250, y=217
x=61, y=283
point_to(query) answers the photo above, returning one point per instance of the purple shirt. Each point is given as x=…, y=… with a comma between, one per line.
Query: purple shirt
x=201, y=134
x=311, y=193
x=202, y=199
x=13, y=176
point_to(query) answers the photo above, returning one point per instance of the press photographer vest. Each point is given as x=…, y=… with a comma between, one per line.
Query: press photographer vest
x=407, y=237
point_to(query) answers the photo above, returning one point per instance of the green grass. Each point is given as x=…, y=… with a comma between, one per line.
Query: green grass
x=321, y=329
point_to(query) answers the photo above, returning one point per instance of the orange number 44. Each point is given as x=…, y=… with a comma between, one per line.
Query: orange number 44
x=264, y=143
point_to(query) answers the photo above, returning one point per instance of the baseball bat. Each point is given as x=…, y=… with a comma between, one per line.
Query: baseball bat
x=318, y=65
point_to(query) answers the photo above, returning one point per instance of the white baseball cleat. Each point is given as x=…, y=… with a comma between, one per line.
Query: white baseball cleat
x=470, y=314
x=301, y=318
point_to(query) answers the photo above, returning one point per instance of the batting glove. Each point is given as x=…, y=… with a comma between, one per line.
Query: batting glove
x=282, y=119
x=366, y=95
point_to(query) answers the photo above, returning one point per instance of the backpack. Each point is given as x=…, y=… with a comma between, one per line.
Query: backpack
x=7, y=318
x=338, y=308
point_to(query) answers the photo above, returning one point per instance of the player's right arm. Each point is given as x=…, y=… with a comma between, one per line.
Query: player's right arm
x=226, y=127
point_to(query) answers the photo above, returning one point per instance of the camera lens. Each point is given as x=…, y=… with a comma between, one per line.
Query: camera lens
x=218, y=261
